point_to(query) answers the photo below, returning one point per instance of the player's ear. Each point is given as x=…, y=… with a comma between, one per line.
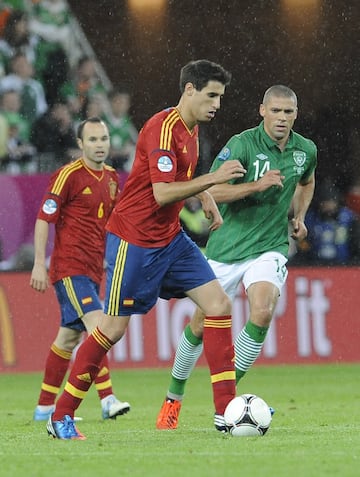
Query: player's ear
x=79, y=142
x=189, y=89
x=262, y=110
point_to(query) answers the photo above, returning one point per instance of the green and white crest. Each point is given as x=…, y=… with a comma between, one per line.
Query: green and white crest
x=299, y=158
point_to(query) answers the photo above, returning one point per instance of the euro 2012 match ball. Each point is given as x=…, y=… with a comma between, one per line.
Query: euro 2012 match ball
x=247, y=415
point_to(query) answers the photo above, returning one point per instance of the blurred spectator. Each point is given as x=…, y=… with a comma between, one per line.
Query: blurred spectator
x=55, y=139
x=33, y=101
x=84, y=84
x=51, y=20
x=94, y=106
x=10, y=106
x=17, y=39
x=352, y=198
x=20, y=156
x=333, y=231
x=123, y=133
x=194, y=222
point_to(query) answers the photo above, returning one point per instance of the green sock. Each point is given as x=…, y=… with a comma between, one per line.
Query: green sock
x=248, y=346
x=188, y=351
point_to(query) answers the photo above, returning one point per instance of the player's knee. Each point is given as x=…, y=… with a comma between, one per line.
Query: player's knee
x=68, y=343
x=114, y=328
x=261, y=316
x=220, y=307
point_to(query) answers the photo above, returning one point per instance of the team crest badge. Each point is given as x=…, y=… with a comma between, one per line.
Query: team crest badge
x=299, y=158
x=112, y=189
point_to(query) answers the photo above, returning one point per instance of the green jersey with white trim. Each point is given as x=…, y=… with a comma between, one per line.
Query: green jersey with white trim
x=258, y=223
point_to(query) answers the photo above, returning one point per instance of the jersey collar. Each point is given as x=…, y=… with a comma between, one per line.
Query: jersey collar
x=270, y=142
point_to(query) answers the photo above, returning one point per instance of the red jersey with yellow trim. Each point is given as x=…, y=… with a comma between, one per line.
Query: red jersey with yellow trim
x=79, y=201
x=167, y=151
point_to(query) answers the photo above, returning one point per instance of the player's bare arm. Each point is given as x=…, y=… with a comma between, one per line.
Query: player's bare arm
x=39, y=277
x=231, y=192
x=167, y=193
x=210, y=209
x=303, y=195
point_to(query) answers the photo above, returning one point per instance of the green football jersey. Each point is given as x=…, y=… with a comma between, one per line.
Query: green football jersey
x=259, y=222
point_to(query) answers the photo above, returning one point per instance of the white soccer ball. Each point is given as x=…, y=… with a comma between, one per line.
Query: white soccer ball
x=247, y=415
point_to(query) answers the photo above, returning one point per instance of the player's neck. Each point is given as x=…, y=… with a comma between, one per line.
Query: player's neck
x=282, y=143
x=94, y=165
x=186, y=115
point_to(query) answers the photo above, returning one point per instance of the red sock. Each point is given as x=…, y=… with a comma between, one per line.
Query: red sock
x=102, y=381
x=219, y=352
x=56, y=365
x=84, y=371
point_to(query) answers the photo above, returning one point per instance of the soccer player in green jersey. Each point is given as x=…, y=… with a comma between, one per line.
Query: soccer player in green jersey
x=252, y=244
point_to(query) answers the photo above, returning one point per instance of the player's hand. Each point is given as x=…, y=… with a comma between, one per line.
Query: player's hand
x=269, y=179
x=211, y=210
x=39, y=280
x=229, y=170
x=299, y=229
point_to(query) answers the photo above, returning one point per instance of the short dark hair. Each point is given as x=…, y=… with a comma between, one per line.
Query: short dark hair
x=93, y=119
x=200, y=72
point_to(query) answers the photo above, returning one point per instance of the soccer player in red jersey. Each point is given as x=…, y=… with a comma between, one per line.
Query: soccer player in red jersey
x=149, y=255
x=79, y=200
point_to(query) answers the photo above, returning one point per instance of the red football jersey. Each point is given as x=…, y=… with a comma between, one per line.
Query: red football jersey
x=79, y=201
x=167, y=151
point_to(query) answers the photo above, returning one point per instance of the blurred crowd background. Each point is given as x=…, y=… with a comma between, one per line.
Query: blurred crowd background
x=63, y=61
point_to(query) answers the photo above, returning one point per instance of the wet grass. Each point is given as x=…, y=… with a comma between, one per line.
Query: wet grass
x=314, y=433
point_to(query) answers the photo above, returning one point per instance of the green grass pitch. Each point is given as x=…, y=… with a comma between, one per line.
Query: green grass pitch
x=315, y=431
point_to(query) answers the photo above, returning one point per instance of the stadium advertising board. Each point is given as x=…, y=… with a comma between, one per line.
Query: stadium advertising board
x=315, y=322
